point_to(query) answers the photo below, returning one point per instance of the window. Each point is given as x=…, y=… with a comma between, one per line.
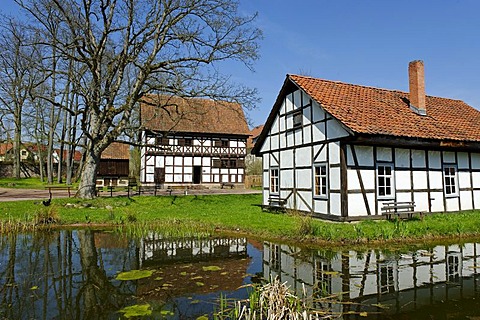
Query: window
x=162, y=141
x=450, y=179
x=321, y=180
x=274, y=180
x=385, y=180
x=297, y=119
x=185, y=142
x=222, y=143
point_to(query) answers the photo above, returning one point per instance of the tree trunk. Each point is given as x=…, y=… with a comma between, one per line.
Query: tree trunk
x=16, y=150
x=88, y=178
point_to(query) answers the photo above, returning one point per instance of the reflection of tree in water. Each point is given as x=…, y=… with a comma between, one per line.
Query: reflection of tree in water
x=58, y=275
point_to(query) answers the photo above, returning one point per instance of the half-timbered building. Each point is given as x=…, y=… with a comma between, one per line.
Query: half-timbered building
x=341, y=151
x=192, y=141
x=113, y=169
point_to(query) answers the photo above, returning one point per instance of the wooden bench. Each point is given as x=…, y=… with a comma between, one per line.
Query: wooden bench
x=68, y=188
x=228, y=184
x=401, y=210
x=274, y=201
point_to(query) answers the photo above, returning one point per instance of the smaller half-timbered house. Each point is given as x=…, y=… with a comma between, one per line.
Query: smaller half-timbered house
x=191, y=142
x=342, y=151
x=113, y=169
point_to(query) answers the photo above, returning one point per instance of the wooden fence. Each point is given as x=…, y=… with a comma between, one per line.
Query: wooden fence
x=253, y=181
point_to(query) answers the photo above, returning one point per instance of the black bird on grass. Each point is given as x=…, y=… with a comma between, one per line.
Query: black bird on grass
x=46, y=203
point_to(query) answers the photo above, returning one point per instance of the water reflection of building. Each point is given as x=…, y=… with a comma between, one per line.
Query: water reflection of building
x=402, y=281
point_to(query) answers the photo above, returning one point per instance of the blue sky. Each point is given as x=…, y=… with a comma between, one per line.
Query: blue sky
x=367, y=42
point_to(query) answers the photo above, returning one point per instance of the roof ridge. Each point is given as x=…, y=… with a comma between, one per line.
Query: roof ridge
x=369, y=87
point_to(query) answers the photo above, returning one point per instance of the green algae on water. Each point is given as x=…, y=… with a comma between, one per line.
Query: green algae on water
x=134, y=275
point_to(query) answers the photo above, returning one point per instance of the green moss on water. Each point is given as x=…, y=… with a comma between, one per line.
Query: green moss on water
x=138, y=310
x=134, y=275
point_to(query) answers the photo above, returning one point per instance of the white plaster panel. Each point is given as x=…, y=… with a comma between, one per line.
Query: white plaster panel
x=286, y=159
x=322, y=156
x=304, y=178
x=168, y=169
x=306, y=115
x=307, y=134
x=404, y=196
x=318, y=112
x=452, y=204
x=240, y=170
x=307, y=196
x=303, y=157
x=421, y=201
x=476, y=179
x=207, y=143
x=334, y=152
x=266, y=161
x=475, y=160
x=289, y=121
x=150, y=169
x=206, y=162
x=436, y=179
x=240, y=178
x=384, y=154
x=434, y=160
x=282, y=123
x=352, y=178
x=151, y=140
x=169, y=178
x=159, y=162
x=420, y=180
x=197, y=161
x=216, y=178
x=224, y=177
x=177, y=170
x=169, y=161
x=335, y=130
x=476, y=199
x=334, y=178
x=320, y=206
x=289, y=136
x=319, y=131
x=436, y=199
x=335, y=204
x=286, y=179
x=298, y=137
x=206, y=169
x=274, y=142
x=188, y=170
x=177, y=178
x=274, y=127
x=419, y=159
x=297, y=99
x=187, y=161
x=466, y=200
x=402, y=180
x=402, y=158
x=241, y=144
x=266, y=179
x=215, y=170
x=288, y=104
x=356, y=205
x=224, y=171
x=150, y=161
x=449, y=157
x=274, y=159
x=368, y=178
x=364, y=155
x=188, y=178
x=463, y=162
x=206, y=178
x=266, y=145
x=464, y=179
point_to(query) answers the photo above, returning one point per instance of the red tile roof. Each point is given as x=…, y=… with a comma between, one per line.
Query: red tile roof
x=176, y=114
x=368, y=110
x=5, y=147
x=117, y=151
x=254, y=133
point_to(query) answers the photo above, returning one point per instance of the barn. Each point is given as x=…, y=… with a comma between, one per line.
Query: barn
x=342, y=151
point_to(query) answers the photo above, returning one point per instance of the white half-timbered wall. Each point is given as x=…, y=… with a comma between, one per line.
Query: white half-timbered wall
x=303, y=136
x=295, y=150
x=179, y=161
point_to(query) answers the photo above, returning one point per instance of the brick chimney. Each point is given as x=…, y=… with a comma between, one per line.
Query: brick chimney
x=416, y=76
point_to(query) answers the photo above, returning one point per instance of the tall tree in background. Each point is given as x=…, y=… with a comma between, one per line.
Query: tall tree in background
x=129, y=48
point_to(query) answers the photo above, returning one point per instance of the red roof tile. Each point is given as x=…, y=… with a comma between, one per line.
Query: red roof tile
x=254, y=133
x=117, y=151
x=175, y=114
x=368, y=110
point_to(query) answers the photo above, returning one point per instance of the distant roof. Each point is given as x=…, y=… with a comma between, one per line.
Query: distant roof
x=117, y=151
x=369, y=110
x=254, y=133
x=5, y=147
x=176, y=114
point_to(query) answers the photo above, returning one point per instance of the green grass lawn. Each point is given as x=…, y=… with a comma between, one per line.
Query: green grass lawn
x=24, y=183
x=189, y=215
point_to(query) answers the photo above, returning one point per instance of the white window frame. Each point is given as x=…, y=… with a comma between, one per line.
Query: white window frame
x=320, y=186
x=390, y=177
x=274, y=180
x=450, y=181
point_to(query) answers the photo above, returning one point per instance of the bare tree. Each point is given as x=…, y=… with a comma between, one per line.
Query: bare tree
x=17, y=78
x=129, y=48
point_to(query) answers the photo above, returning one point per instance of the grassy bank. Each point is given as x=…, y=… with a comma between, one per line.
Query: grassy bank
x=186, y=215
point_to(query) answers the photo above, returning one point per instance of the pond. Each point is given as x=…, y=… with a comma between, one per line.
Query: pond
x=74, y=274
